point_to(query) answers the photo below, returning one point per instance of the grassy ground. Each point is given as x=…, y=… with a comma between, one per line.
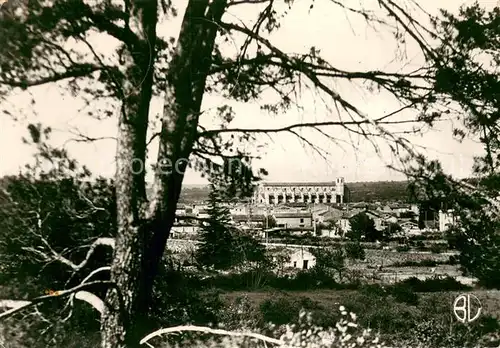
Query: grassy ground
x=490, y=299
x=389, y=257
x=389, y=272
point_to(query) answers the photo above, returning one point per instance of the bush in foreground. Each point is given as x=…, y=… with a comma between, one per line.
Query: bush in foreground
x=345, y=333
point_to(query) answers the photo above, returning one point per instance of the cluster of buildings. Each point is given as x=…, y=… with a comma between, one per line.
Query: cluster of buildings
x=321, y=209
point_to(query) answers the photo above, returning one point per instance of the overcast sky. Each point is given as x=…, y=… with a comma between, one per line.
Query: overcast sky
x=344, y=41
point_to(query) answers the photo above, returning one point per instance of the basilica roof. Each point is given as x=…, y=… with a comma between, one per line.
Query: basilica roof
x=330, y=183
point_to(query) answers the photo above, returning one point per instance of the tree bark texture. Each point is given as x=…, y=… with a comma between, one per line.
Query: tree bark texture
x=144, y=227
x=123, y=310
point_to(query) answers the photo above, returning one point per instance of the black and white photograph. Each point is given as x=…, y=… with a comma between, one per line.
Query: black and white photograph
x=250, y=173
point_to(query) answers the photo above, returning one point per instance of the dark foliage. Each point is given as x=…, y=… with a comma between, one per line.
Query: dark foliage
x=462, y=78
x=216, y=237
x=403, y=248
x=404, y=293
x=304, y=280
x=435, y=284
x=363, y=228
x=282, y=310
x=354, y=251
x=177, y=300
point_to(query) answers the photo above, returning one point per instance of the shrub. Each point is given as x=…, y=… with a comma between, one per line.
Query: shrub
x=438, y=248
x=382, y=313
x=252, y=279
x=239, y=314
x=420, y=245
x=427, y=324
x=314, y=278
x=435, y=284
x=403, y=248
x=420, y=263
x=437, y=332
x=354, y=251
x=404, y=293
x=346, y=333
x=283, y=310
x=176, y=299
x=375, y=290
x=303, y=333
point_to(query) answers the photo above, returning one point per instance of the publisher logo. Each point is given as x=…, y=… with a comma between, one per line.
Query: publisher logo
x=467, y=308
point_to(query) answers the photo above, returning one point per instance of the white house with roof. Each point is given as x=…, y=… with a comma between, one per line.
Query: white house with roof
x=301, y=259
x=293, y=219
x=410, y=228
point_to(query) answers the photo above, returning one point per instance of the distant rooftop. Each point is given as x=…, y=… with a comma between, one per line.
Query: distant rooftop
x=239, y=218
x=329, y=183
x=293, y=215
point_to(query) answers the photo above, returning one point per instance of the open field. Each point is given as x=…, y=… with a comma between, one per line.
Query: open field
x=389, y=257
x=379, y=265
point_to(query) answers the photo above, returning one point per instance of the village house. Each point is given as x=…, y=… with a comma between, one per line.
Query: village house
x=410, y=228
x=239, y=209
x=250, y=220
x=301, y=259
x=330, y=232
x=293, y=219
x=198, y=209
x=184, y=231
x=331, y=214
x=181, y=210
x=293, y=205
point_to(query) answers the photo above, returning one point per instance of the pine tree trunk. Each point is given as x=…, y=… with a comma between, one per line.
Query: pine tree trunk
x=186, y=85
x=143, y=230
x=124, y=305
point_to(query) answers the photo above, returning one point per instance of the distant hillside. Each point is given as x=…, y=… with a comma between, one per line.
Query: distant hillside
x=378, y=191
x=360, y=191
x=193, y=193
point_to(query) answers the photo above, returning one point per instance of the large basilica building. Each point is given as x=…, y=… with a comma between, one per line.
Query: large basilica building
x=273, y=193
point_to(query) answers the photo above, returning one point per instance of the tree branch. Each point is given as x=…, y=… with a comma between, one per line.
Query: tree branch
x=85, y=296
x=102, y=22
x=204, y=329
x=91, y=299
x=54, y=255
x=212, y=132
x=17, y=306
x=77, y=71
x=248, y=2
